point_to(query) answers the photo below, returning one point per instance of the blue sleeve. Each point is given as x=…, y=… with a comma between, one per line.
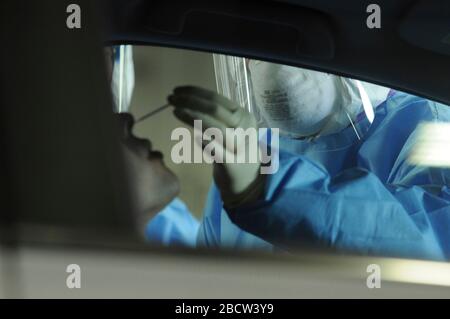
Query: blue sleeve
x=174, y=225
x=354, y=211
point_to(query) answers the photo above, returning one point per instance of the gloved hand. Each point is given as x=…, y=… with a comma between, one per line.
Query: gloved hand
x=238, y=183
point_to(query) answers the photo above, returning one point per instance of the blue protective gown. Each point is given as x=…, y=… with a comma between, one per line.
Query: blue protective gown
x=362, y=197
x=173, y=226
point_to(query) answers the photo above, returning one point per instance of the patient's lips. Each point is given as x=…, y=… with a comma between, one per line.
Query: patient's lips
x=144, y=147
x=155, y=154
x=141, y=146
x=147, y=146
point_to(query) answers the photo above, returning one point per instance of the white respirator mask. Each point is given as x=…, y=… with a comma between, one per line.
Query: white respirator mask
x=304, y=103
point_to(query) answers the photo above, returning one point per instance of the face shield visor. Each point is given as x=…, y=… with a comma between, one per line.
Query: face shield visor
x=301, y=103
x=122, y=80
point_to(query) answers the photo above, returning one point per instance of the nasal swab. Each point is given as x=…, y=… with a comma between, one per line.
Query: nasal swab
x=150, y=114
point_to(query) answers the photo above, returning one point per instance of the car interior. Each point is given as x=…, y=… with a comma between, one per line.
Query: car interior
x=64, y=187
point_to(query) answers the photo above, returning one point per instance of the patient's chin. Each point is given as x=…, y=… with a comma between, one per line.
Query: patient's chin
x=151, y=183
x=165, y=184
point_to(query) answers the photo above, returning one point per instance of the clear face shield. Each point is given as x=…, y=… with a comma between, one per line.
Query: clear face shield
x=301, y=103
x=122, y=80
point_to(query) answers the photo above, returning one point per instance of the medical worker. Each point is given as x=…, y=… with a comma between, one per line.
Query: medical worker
x=343, y=181
x=167, y=219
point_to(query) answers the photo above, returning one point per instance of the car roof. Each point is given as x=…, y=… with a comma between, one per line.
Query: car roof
x=409, y=52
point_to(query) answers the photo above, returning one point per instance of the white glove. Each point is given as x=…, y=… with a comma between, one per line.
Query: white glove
x=238, y=182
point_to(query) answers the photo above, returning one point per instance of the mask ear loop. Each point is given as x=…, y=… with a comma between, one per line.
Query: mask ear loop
x=366, y=103
x=353, y=125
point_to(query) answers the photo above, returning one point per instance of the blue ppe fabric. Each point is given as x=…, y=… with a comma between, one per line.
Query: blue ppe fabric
x=362, y=196
x=173, y=226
